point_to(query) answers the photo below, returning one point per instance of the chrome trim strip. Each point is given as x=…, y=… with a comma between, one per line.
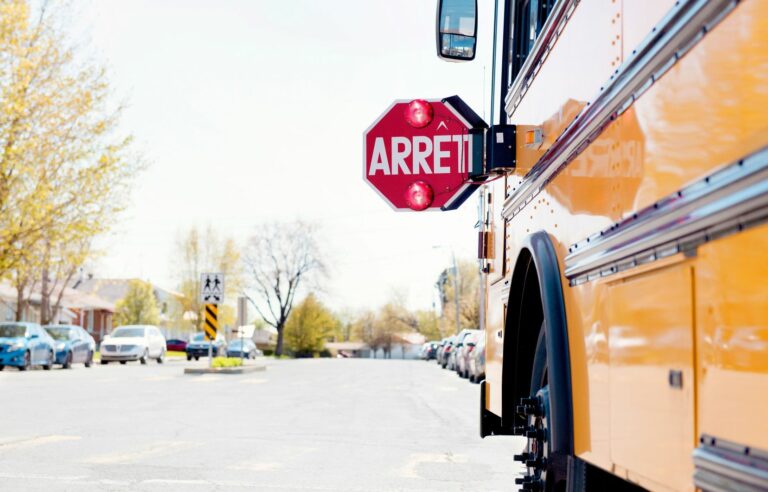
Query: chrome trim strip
x=686, y=23
x=550, y=31
x=726, y=201
x=721, y=468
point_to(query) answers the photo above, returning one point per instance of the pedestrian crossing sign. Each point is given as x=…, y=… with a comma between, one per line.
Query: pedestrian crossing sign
x=212, y=288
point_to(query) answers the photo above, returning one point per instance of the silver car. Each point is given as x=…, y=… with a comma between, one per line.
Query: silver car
x=133, y=342
x=465, y=343
x=477, y=360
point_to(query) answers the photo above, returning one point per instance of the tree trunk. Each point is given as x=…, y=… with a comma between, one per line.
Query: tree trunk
x=20, y=303
x=279, y=346
x=45, y=293
x=45, y=298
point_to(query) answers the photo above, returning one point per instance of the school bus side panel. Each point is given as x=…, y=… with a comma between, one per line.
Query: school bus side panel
x=707, y=111
x=732, y=338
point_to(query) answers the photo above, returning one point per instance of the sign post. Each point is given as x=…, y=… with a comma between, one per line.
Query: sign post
x=211, y=327
x=242, y=318
x=211, y=295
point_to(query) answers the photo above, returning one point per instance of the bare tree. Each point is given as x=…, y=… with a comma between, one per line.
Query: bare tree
x=279, y=259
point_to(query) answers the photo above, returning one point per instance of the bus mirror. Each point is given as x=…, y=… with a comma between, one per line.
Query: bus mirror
x=456, y=29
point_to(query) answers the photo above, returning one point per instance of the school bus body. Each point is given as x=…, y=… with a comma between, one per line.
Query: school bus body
x=656, y=223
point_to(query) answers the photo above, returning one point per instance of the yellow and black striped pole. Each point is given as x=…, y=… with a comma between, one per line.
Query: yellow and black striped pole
x=211, y=327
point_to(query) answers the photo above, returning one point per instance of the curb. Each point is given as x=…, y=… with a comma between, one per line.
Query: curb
x=224, y=370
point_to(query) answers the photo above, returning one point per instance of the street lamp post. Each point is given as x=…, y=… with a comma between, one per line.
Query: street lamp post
x=456, y=292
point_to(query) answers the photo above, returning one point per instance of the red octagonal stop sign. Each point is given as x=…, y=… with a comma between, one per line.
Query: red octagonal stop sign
x=418, y=155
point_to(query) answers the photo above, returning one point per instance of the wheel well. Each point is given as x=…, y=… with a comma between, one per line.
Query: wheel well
x=524, y=318
x=536, y=294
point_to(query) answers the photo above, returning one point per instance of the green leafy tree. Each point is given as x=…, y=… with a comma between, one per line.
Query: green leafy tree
x=138, y=307
x=428, y=324
x=309, y=326
x=65, y=166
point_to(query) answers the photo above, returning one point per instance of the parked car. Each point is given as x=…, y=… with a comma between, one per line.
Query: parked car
x=440, y=350
x=431, y=350
x=176, y=345
x=243, y=348
x=72, y=345
x=465, y=349
x=477, y=360
x=198, y=346
x=423, y=351
x=445, y=352
x=133, y=342
x=24, y=345
x=458, y=345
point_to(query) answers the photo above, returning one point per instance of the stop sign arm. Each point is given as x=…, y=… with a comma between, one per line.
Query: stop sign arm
x=426, y=154
x=477, y=130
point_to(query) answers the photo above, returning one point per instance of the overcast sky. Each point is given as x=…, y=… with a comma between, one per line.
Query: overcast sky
x=251, y=111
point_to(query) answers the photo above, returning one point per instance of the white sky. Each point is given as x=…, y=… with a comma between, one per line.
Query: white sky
x=254, y=110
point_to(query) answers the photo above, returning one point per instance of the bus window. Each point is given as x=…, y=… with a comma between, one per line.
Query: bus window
x=527, y=20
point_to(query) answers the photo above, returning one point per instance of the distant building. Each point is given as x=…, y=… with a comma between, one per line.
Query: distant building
x=405, y=345
x=91, y=312
x=114, y=289
x=8, y=307
x=77, y=308
x=265, y=337
x=349, y=349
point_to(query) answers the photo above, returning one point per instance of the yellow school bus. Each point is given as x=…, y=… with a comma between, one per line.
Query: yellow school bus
x=626, y=251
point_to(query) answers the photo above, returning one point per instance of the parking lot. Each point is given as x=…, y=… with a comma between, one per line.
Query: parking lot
x=318, y=424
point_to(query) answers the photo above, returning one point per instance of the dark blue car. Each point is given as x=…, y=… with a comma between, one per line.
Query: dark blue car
x=198, y=346
x=73, y=345
x=24, y=345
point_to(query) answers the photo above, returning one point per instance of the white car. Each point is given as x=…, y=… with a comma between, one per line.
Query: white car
x=133, y=342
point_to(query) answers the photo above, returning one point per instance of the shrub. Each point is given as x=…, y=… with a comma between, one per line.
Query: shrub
x=227, y=362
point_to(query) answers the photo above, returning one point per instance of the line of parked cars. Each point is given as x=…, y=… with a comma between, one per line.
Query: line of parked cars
x=463, y=353
x=25, y=345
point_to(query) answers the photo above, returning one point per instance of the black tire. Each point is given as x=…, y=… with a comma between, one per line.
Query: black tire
x=67, y=361
x=2, y=367
x=144, y=357
x=51, y=359
x=189, y=357
x=104, y=362
x=161, y=358
x=123, y=362
x=27, y=361
x=89, y=359
x=196, y=357
x=544, y=469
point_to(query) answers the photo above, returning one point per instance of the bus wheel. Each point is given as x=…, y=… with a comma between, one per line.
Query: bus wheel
x=541, y=465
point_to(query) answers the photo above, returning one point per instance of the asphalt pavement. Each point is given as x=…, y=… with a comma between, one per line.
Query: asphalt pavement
x=317, y=424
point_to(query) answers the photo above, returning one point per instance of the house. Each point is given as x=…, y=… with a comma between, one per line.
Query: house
x=91, y=312
x=8, y=301
x=76, y=308
x=265, y=337
x=350, y=349
x=405, y=345
x=114, y=289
